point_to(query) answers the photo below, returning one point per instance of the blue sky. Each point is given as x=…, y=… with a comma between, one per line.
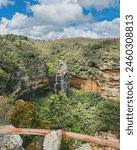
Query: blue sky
x=52, y=19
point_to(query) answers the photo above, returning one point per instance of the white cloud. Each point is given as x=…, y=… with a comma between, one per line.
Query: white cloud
x=52, y=20
x=19, y=21
x=69, y=33
x=30, y=29
x=56, y=1
x=6, y=2
x=107, y=28
x=59, y=14
x=99, y=4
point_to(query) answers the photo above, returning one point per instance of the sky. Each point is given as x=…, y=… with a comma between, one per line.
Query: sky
x=56, y=19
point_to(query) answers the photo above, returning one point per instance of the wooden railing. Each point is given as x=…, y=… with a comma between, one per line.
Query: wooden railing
x=66, y=135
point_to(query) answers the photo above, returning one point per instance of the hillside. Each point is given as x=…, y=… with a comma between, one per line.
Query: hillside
x=93, y=64
x=27, y=81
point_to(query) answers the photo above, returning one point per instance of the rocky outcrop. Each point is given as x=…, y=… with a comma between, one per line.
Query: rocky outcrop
x=107, y=84
x=10, y=142
x=31, y=87
x=53, y=140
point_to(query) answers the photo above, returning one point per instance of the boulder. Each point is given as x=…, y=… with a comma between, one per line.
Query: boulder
x=53, y=140
x=10, y=142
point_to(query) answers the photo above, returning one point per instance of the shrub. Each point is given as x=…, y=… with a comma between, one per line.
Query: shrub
x=25, y=116
x=107, y=115
x=4, y=78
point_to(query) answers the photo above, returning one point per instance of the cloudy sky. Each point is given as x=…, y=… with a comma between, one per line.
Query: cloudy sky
x=55, y=19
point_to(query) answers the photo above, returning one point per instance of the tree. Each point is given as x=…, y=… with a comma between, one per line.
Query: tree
x=109, y=114
x=4, y=78
x=25, y=116
x=60, y=111
x=5, y=109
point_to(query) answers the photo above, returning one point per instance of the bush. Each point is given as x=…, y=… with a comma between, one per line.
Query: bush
x=4, y=78
x=5, y=110
x=32, y=147
x=59, y=109
x=25, y=116
x=108, y=113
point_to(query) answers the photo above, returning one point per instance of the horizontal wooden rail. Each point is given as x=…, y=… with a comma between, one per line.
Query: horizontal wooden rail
x=66, y=135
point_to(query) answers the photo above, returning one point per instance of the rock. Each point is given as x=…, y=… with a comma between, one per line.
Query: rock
x=53, y=140
x=10, y=142
x=107, y=85
x=85, y=147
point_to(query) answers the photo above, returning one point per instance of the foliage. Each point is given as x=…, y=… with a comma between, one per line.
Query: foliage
x=82, y=55
x=22, y=60
x=58, y=108
x=80, y=109
x=25, y=116
x=83, y=112
x=32, y=147
x=4, y=78
x=51, y=65
x=108, y=113
x=18, y=61
x=6, y=107
x=12, y=37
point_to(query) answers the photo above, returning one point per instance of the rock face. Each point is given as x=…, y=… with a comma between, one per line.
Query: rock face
x=85, y=147
x=53, y=140
x=107, y=84
x=31, y=87
x=10, y=142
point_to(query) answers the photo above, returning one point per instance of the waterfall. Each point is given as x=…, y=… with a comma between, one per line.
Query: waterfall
x=60, y=84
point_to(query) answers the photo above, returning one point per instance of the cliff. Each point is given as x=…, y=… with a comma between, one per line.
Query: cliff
x=27, y=83
x=107, y=85
x=27, y=65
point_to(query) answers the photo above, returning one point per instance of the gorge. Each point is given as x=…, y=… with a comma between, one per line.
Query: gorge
x=88, y=96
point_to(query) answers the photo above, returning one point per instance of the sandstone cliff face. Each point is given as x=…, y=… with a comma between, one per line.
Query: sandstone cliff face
x=31, y=87
x=107, y=85
x=106, y=82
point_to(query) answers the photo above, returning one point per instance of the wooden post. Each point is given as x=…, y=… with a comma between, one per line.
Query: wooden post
x=66, y=135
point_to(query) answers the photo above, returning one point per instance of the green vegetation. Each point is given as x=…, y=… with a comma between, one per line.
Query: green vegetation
x=24, y=114
x=6, y=106
x=4, y=78
x=83, y=56
x=84, y=111
x=25, y=64
x=25, y=59
x=19, y=62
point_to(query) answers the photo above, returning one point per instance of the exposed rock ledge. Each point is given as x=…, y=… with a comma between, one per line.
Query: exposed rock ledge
x=107, y=85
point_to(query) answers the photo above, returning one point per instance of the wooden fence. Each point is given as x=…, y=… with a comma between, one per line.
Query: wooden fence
x=66, y=135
